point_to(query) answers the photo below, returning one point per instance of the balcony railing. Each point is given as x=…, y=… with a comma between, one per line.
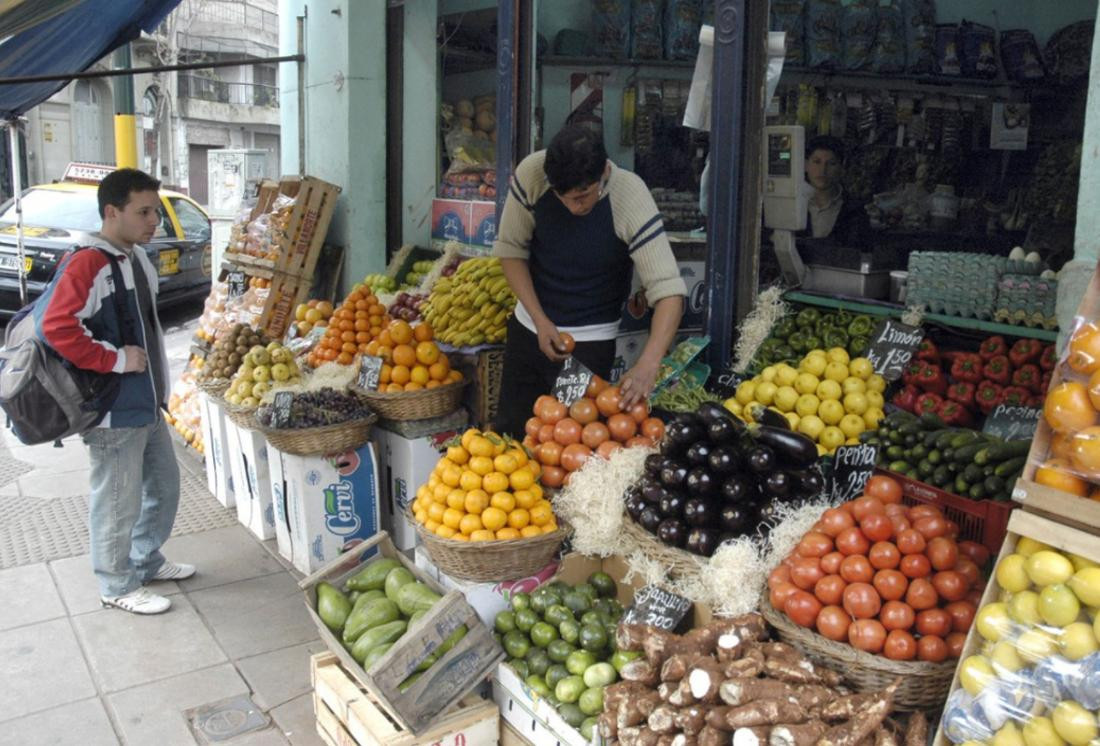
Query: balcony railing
x=248, y=94
x=236, y=13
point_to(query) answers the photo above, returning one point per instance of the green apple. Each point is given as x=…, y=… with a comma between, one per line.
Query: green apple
x=280, y=372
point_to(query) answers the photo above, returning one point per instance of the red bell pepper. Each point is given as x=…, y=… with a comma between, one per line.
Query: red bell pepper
x=954, y=414
x=1024, y=351
x=906, y=398
x=962, y=392
x=987, y=396
x=1036, y=400
x=992, y=347
x=1028, y=376
x=909, y=375
x=1044, y=382
x=967, y=367
x=1049, y=358
x=1014, y=396
x=927, y=351
x=928, y=402
x=997, y=370
x=931, y=378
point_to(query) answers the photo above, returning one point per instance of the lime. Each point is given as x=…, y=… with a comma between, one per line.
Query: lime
x=537, y=660
x=579, y=661
x=554, y=674
x=807, y=405
x=520, y=666
x=829, y=389
x=603, y=584
x=559, y=650
x=571, y=713
x=557, y=614
x=520, y=600
x=505, y=621
x=538, y=685
x=806, y=383
x=570, y=631
x=526, y=619
x=591, y=701
x=542, y=634
x=593, y=637
x=516, y=644
x=569, y=690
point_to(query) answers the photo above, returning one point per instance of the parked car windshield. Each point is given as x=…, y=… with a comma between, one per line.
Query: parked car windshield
x=52, y=208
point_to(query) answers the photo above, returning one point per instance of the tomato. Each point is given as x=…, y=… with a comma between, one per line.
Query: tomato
x=915, y=566
x=911, y=541
x=607, y=448
x=931, y=648
x=531, y=427
x=896, y=615
x=835, y=520
x=833, y=623
x=921, y=595
x=595, y=386
x=594, y=433
x=924, y=510
x=867, y=634
x=896, y=509
x=549, y=453
x=951, y=585
x=567, y=431
x=942, y=553
x=968, y=569
x=877, y=527
x=780, y=574
x=952, y=529
x=955, y=643
x=962, y=615
x=639, y=440
x=653, y=427
x=934, y=622
x=931, y=527
x=622, y=427
x=856, y=569
x=830, y=563
x=900, y=646
x=540, y=404
x=546, y=434
x=861, y=601
x=566, y=343
x=815, y=544
x=884, y=555
x=830, y=589
x=779, y=592
x=574, y=456
x=884, y=488
x=900, y=523
x=609, y=401
x=584, y=410
x=552, y=412
x=552, y=476
x=852, y=541
x=865, y=506
x=639, y=411
x=802, y=608
x=805, y=572
x=975, y=551
x=890, y=584
x=974, y=597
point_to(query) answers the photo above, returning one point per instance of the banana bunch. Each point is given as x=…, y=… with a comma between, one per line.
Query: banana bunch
x=471, y=306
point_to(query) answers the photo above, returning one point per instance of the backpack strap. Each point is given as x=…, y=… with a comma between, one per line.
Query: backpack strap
x=126, y=324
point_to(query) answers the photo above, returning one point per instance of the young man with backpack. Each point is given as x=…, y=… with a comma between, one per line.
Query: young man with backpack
x=135, y=477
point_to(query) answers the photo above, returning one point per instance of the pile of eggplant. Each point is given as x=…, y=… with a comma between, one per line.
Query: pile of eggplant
x=716, y=478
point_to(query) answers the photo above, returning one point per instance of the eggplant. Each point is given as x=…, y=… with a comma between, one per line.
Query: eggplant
x=649, y=519
x=635, y=504
x=793, y=449
x=699, y=512
x=723, y=460
x=722, y=431
x=702, y=541
x=670, y=448
x=654, y=462
x=769, y=512
x=687, y=418
x=710, y=412
x=672, y=504
x=737, y=489
x=761, y=460
x=698, y=453
x=768, y=417
x=700, y=483
x=674, y=474
x=672, y=532
x=736, y=519
x=648, y=486
x=778, y=484
x=810, y=483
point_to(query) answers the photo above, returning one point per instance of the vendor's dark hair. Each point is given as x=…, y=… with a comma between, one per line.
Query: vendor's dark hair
x=826, y=142
x=576, y=158
x=118, y=185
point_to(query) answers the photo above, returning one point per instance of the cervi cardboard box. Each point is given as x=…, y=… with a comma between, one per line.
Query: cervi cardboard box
x=249, y=466
x=406, y=464
x=219, y=475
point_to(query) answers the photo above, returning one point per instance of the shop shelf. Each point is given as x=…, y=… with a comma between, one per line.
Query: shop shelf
x=554, y=60
x=902, y=82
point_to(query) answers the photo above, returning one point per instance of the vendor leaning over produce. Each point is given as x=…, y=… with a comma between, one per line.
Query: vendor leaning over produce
x=830, y=213
x=573, y=228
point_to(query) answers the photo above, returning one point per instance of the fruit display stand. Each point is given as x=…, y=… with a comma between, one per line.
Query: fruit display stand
x=485, y=367
x=443, y=684
x=348, y=715
x=1026, y=704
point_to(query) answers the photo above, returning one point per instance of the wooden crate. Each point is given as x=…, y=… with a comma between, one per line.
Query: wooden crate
x=484, y=368
x=443, y=685
x=307, y=227
x=1022, y=523
x=286, y=292
x=347, y=715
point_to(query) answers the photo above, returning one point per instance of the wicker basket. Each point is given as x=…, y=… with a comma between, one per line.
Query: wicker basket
x=679, y=563
x=318, y=441
x=415, y=405
x=489, y=561
x=241, y=416
x=924, y=685
x=213, y=386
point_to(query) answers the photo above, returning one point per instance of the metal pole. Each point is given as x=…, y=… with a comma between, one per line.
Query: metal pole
x=66, y=77
x=506, y=94
x=125, y=122
x=17, y=191
x=301, y=96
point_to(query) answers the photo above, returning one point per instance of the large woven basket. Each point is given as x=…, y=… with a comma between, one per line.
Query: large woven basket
x=415, y=405
x=490, y=561
x=241, y=416
x=319, y=441
x=679, y=563
x=213, y=386
x=924, y=685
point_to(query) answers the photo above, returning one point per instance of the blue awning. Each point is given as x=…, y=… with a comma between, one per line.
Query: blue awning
x=71, y=42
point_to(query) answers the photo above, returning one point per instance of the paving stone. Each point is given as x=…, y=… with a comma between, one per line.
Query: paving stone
x=42, y=667
x=73, y=456
x=78, y=587
x=59, y=725
x=49, y=485
x=281, y=675
x=298, y=721
x=153, y=713
x=125, y=649
x=33, y=588
x=256, y=616
x=224, y=555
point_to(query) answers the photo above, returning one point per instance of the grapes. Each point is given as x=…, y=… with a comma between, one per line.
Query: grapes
x=325, y=406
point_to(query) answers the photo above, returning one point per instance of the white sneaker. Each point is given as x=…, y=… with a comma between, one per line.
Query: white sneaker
x=139, y=601
x=173, y=571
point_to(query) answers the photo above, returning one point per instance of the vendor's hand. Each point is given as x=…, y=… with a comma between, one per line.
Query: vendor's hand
x=637, y=383
x=550, y=342
x=135, y=359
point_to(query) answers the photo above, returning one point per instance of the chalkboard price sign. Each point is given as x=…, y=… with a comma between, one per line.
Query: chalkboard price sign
x=657, y=607
x=572, y=382
x=236, y=284
x=1012, y=422
x=370, y=368
x=893, y=345
x=852, y=467
x=280, y=409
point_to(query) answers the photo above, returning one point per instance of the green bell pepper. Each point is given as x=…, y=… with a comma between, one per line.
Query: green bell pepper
x=812, y=342
x=807, y=317
x=834, y=338
x=785, y=352
x=857, y=346
x=797, y=341
x=860, y=326
x=784, y=328
x=843, y=318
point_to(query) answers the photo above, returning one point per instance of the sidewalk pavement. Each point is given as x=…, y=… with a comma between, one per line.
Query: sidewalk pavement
x=76, y=673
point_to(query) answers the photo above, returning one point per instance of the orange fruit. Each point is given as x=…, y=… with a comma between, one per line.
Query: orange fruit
x=439, y=369
x=1084, y=349
x=1085, y=450
x=386, y=353
x=423, y=332
x=427, y=353
x=518, y=518
x=525, y=499
x=470, y=480
x=460, y=537
x=493, y=518
x=419, y=374
x=541, y=514
x=521, y=479
x=530, y=532
x=1094, y=390
x=451, y=475
x=483, y=535
x=469, y=524
x=445, y=531
x=1067, y=407
x=432, y=384
x=456, y=498
x=454, y=376
x=494, y=482
x=505, y=463
x=507, y=533
x=550, y=528
x=481, y=465
x=404, y=355
x=385, y=373
x=385, y=339
x=394, y=388
x=536, y=488
x=452, y=517
x=504, y=501
x=401, y=332
x=476, y=501
x=421, y=516
x=1056, y=473
x=431, y=525
x=436, y=511
x=345, y=358
x=400, y=374
x=440, y=492
x=413, y=386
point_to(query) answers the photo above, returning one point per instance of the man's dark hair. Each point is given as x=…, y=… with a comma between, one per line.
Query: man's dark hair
x=576, y=158
x=826, y=142
x=120, y=184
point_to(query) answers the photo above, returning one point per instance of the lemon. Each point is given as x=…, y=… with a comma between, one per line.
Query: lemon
x=851, y=425
x=806, y=405
x=1074, y=723
x=872, y=417
x=806, y=383
x=829, y=389
x=874, y=399
x=793, y=419
x=830, y=411
x=785, y=375
x=855, y=403
x=732, y=406
x=1058, y=606
x=975, y=674
x=1028, y=546
x=1047, y=567
x=853, y=385
x=861, y=367
x=1023, y=607
x=831, y=437
x=745, y=392
x=1008, y=735
x=876, y=383
x=836, y=371
x=813, y=364
x=837, y=355
x=1011, y=573
x=765, y=392
x=769, y=373
x=1081, y=563
x=1035, y=644
x=811, y=426
x=785, y=398
x=1078, y=641
x=1086, y=584
x=1096, y=626
x=1005, y=659
x=993, y=622
x=1039, y=731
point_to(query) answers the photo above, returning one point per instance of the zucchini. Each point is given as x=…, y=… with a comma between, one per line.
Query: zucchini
x=910, y=428
x=977, y=491
x=1011, y=466
x=982, y=456
x=931, y=420
x=966, y=454
x=899, y=466
x=935, y=456
x=895, y=453
x=962, y=487
x=917, y=452
x=941, y=476
x=973, y=473
x=925, y=468
x=944, y=439
x=994, y=485
x=1010, y=449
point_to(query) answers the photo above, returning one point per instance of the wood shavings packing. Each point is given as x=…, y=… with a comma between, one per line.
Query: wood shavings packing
x=331, y=375
x=913, y=315
x=733, y=579
x=650, y=571
x=592, y=503
x=450, y=250
x=792, y=525
x=756, y=327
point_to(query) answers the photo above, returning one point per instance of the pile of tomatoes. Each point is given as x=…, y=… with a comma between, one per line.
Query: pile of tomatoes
x=563, y=438
x=887, y=578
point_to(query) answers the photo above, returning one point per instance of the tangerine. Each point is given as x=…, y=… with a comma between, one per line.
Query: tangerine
x=438, y=370
x=427, y=352
x=423, y=332
x=476, y=501
x=454, y=376
x=483, y=534
x=518, y=518
x=1067, y=407
x=403, y=354
x=541, y=514
x=1084, y=349
x=508, y=533
x=1055, y=473
x=492, y=518
x=530, y=532
x=445, y=531
x=401, y=332
x=504, y=501
x=419, y=374
x=1085, y=450
x=495, y=482
x=469, y=524
x=413, y=386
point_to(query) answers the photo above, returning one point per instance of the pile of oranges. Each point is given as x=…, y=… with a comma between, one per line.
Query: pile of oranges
x=485, y=488
x=358, y=321
x=411, y=360
x=314, y=312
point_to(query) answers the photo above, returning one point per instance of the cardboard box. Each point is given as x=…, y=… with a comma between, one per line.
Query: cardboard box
x=248, y=462
x=280, y=500
x=636, y=312
x=331, y=504
x=219, y=475
x=406, y=464
x=483, y=223
x=509, y=736
x=451, y=220
x=534, y=718
x=489, y=599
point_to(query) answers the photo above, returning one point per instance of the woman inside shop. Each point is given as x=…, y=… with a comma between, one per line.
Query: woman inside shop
x=573, y=230
x=831, y=215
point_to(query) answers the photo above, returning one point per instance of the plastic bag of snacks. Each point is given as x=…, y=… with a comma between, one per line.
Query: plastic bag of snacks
x=1020, y=56
x=948, y=57
x=858, y=26
x=611, y=28
x=683, y=19
x=979, y=57
x=888, y=55
x=645, y=30
x=920, y=33
x=786, y=15
x=823, y=33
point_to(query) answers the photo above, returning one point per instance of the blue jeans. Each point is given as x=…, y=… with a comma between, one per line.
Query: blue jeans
x=135, y=493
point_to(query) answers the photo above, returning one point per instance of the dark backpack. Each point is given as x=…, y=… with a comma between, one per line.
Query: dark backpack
x=46, y=397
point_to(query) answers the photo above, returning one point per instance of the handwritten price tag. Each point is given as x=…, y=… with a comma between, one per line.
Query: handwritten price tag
x=657, y=607
x=852, y=467
x=280, y=409
x=572, y=382
x=370, y=369
x=236, y=284
x=1012, y=423
x=893, y=345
